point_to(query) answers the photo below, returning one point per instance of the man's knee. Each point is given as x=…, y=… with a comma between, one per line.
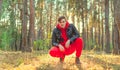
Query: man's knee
x=79, y=40
x=53, y=50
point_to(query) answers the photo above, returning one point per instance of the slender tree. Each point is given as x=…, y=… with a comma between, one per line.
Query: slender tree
x=41, y=29
x=51, y=8
x=107, y=32
x=31, y=34
x=117, y=24
x=24, y=42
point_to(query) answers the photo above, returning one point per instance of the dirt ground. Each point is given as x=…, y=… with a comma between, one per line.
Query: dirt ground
x=41, y=60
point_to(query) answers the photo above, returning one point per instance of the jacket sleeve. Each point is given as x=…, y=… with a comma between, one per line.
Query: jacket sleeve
x=54, y=39
x=75, y=34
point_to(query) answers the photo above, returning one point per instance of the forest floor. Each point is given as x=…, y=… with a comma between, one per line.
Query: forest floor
x=43, y=61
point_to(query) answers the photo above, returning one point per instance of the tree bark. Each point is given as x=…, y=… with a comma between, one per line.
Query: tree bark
x=41, y=29
x=83, y=24
x=31, y=35
x=51, y=16
x=117, y=21
x=24, y=26
x=115, y=39
x=107, y=33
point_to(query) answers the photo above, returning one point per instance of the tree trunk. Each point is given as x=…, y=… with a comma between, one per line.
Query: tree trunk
x=86, y=22
x=24, y=27
x=99, y=30
x=57, y=10
x=107, y=33
x=78, y=14
x=0, y=7
x=117, y=13
x=115, y=39
x=83, y=25
x=41, y=32
x=31, y=35
x=102, y=25
x=50, y=17
x=117, y=21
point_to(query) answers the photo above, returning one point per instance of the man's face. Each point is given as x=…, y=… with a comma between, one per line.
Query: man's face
x=62, y=23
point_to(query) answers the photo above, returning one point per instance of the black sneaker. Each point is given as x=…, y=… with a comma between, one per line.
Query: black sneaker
x=62, y=59
x=77, y=60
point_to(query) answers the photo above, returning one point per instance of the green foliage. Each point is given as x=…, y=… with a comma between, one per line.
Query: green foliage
x=41, y=44
x=8, y=33
x=5, y=6
x=5, y=40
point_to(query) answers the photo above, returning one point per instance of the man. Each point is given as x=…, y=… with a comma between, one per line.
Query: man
x=65, y=40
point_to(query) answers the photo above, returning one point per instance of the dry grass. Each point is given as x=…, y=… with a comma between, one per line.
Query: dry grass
x=42, y=61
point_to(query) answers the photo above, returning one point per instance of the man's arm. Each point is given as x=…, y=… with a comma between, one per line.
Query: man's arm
x=54, y=39
x=55, y=43
x=75, y=32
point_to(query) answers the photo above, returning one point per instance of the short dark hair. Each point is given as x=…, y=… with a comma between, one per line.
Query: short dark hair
x=60, y=18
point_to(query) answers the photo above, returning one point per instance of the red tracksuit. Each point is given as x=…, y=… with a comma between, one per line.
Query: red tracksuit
x=75, y=46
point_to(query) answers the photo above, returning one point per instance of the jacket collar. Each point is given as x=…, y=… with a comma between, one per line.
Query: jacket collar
x=66, y=26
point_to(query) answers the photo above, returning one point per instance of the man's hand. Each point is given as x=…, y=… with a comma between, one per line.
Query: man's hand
x=67, y=44
x=61, y=48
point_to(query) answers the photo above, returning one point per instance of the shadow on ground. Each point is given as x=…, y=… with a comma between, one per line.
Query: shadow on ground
x=106, y=65
x=60, y=66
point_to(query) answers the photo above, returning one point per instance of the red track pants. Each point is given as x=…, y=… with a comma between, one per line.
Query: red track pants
x=77, y=46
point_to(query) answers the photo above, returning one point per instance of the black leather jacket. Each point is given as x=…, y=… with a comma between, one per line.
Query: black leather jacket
x=72, y=34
